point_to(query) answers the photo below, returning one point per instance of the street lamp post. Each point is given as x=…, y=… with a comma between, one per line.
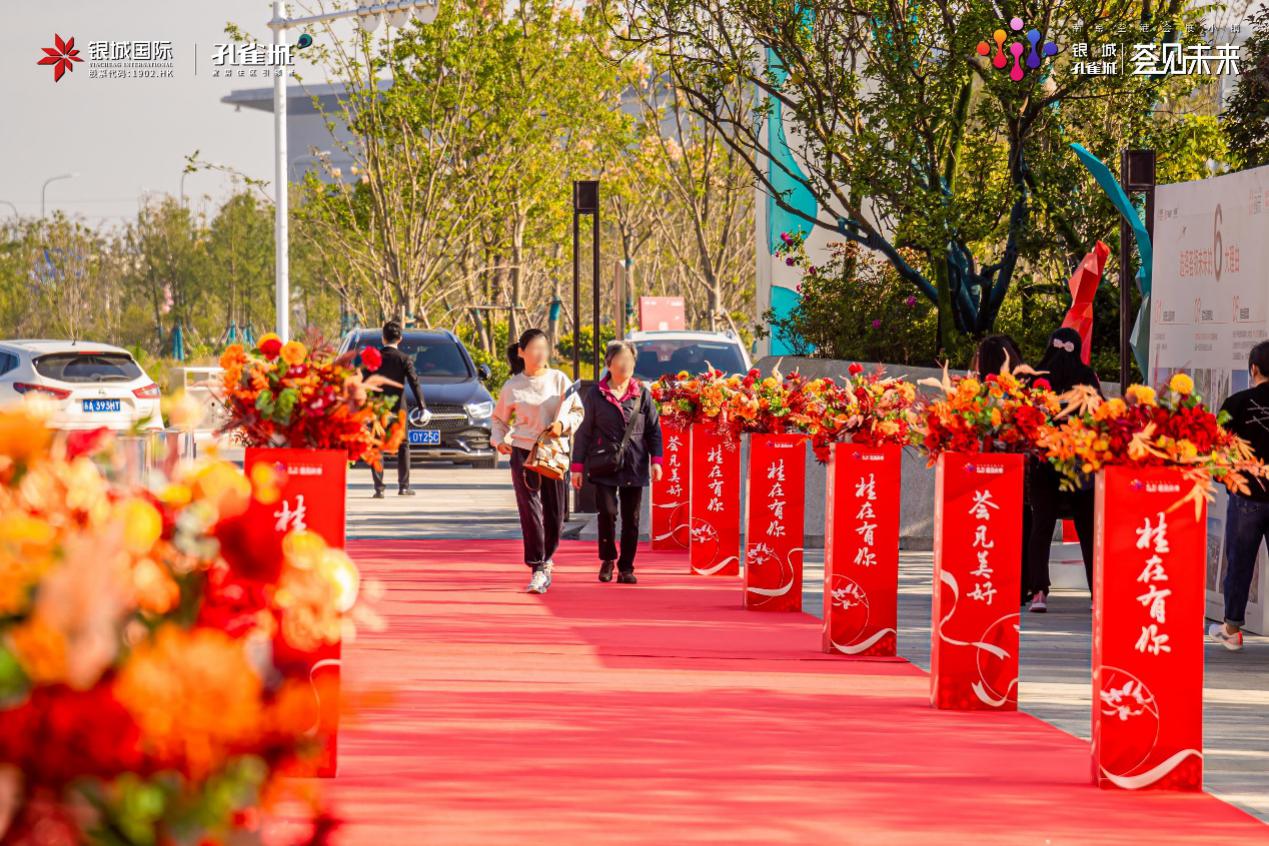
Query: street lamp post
x=398, y=14
x=44, y=187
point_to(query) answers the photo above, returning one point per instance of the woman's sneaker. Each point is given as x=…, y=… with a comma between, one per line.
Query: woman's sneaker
x=1038, y=603
x=1232, y=642
x=540, y=582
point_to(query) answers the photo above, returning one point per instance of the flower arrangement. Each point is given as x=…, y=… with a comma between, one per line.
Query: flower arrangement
x=139, y=699
x=284, y=395
x=882, y=410
x=1169, y=428
x=709, y=398
x=864, y=407
x=998, y=413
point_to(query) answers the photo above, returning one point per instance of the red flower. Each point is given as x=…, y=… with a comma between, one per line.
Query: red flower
x=270, y=347
x=85, y=442
x=371, y=358
x=855, y=368
x=1042, y=384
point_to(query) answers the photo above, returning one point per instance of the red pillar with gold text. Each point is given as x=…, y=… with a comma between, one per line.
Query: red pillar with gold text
x=312, y=498
x=977, y=581
x=861, y=550
x=1148, y=576
x=670, y=522
x=714, y=485
x=775, y=522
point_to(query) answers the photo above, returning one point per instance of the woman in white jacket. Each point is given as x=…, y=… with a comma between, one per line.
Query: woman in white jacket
x=536, y=398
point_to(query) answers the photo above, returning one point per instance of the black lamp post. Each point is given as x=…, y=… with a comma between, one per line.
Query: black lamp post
x=585, y=201
x=1136, y=175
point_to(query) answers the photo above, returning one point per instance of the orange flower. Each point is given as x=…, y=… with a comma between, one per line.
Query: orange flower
x=156, y=591
x=294, y=352
x=24, y=435
x=194, y=695
x=41, y=649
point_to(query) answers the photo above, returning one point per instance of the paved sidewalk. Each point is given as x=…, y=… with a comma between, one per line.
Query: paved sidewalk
x=460, y=502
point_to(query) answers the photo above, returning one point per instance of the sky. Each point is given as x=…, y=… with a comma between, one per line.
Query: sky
x=125, y=137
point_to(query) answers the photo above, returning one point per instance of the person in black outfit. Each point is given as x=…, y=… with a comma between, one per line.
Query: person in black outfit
x=1063, y=369
x=995, y=352
x=399, y=368
x=609, y=407
x=1246, y=517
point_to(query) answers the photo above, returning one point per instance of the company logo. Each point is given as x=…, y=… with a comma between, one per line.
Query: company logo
x=61, y=56
x=1036, y=52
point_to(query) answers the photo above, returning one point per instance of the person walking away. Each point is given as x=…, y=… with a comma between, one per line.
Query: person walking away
x=398, y=367
x=534, y=400
x=619, y=437
x=1063, y=369
x=1246, y=517
x=996, y=352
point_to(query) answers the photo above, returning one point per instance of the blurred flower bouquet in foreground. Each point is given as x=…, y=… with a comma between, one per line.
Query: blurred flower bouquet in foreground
x=139, y=699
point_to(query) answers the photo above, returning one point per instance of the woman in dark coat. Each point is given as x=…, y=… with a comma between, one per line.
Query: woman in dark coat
x=608, y=407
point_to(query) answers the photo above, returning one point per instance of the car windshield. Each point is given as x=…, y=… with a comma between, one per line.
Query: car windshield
x=435, y=359
x=87, y=367
x=660, y=357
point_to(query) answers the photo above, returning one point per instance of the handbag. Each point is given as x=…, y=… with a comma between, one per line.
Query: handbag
x=607, y=459
x=548, y=457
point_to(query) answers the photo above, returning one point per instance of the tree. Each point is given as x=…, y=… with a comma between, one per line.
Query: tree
x=906, y=136
x=706, y=192
x=1247, y=114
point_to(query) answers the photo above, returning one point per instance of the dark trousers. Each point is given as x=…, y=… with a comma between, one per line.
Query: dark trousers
x=609, y=499
x=541, y=504
x=1047, y=501
x=1246, y=525
x=403, y=468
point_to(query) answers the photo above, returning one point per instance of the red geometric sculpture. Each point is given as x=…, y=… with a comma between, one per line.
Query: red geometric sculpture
x=1083, y=286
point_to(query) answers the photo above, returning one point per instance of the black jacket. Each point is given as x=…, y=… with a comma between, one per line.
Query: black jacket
x=399, y=367
x=605, y=422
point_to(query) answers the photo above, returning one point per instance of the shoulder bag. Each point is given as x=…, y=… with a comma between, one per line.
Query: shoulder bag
x=607, y=459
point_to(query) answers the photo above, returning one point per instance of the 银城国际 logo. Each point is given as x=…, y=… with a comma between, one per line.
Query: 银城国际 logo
x=62, y=56
x=1036, y=49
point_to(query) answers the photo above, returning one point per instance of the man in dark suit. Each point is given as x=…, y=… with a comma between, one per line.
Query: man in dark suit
x=398, y=367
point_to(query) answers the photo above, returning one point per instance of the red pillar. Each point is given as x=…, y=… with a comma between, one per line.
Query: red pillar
x=714, y=541
x=670, y=495
x=861, y=550
x=977, y=581
x=775, y=522
x=1148, y=581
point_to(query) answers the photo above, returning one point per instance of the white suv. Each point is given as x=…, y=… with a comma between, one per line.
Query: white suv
x=91, y=384
x=674, y=351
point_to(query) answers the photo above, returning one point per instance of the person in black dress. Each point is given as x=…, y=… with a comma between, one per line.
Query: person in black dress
x=608, y=408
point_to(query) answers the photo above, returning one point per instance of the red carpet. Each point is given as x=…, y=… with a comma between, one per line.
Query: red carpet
x=665, y=714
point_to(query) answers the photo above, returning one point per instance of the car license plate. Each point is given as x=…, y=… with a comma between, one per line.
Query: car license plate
x=94, y=405
x=425, y=437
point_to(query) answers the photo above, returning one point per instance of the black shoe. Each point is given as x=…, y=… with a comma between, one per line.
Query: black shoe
x=627, y=579
x=406, y=492
x=377, y=495
x=605, y=571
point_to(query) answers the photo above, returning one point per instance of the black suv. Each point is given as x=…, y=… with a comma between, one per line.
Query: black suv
x=461, y=409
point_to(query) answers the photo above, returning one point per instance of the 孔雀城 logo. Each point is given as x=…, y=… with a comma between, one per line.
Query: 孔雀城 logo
x=1037, y=50
x=62, y=56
